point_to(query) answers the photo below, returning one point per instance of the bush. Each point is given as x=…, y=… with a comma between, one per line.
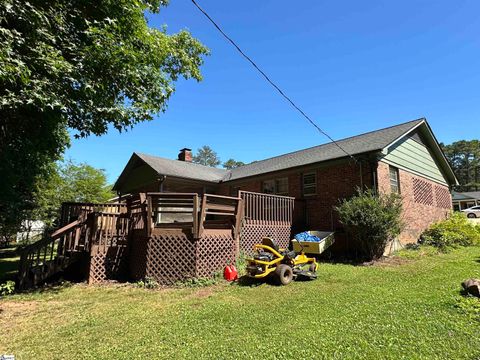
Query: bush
x=372, y=220
x=7, y=288
x=451, y=233
x=147, y=283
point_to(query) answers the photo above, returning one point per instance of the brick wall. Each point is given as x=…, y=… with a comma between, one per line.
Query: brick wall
x=424, y=201
x=334, y=182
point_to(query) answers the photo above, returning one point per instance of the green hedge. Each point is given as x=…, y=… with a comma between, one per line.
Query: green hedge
x=454, y=232
x=371, y=220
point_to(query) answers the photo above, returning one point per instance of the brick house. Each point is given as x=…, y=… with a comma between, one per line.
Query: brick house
x=405, y=158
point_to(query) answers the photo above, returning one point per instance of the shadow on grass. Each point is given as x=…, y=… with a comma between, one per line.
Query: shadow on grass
x=52, y=287
x=8, y=268
x=9, y=251
x=251, y=282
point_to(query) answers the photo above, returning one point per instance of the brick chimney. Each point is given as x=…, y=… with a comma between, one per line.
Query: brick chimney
x=185, y=154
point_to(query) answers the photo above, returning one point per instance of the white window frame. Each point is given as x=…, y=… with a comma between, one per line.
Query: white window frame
x=391, y=170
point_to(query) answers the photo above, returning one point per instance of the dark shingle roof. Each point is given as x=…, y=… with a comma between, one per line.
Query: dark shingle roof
x=368, y=142
x=183, y=169
x=466, y=195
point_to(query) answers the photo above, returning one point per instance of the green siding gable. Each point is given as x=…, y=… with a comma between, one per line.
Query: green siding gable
x=412, y=156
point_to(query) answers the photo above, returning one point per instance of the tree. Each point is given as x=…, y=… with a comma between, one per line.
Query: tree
x=464, y=156
x=206, y=156
x=68, y=182
x=232, y=164
x=84, y=65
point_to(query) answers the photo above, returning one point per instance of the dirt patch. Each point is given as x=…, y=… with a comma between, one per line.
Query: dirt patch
x=13, y=309
x=204, y=292
x=391, y=261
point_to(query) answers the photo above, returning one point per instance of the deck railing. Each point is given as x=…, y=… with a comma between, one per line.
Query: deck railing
x=72, y=210
x=267, y=209
x=109, y=229
x=191, y=211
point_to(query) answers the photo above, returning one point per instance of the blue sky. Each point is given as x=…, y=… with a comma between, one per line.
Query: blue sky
x=352, y=66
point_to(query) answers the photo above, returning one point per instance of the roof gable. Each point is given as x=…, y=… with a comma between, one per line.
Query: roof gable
x=418, y=151
x=168, y=167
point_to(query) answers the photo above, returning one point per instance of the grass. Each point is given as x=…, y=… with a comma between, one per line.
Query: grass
x=406, y=309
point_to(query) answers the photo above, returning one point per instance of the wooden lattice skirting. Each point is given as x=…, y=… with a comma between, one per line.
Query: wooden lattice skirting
x=108, y=264
x=171, y=257
x=253, y=233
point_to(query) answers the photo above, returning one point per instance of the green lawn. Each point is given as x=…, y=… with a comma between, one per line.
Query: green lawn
x=409, y=309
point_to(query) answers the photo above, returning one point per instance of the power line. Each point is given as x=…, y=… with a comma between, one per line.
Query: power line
x=270, y=81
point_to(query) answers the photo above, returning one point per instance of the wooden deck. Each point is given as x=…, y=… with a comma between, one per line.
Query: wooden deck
x=167, y=236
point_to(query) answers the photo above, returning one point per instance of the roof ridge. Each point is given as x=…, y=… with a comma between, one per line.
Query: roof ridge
x=179, y=161
x=331, y=142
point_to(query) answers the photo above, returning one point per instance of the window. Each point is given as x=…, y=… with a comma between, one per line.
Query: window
x=281, y=186
x=269, y=187
x=309, y=184
x=276, y=186
x=394, y=181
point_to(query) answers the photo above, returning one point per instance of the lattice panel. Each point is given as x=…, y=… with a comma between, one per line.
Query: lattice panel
x=109, y=265
x=214, y=251
x=422, y=192
x=442, y=197
x=138, y=258
x=253, y=233
x=170, y=258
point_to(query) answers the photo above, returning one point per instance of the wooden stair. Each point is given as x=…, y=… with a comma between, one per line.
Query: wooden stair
x=49, y=256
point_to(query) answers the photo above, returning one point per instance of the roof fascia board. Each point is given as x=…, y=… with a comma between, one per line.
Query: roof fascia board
x=385, y=149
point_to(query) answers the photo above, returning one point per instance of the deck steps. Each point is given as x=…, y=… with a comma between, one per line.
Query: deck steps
x=52, y=255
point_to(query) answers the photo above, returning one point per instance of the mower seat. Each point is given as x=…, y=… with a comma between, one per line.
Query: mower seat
x=267, y=241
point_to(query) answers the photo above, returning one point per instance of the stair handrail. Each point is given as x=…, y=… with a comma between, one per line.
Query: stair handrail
x=37, y=246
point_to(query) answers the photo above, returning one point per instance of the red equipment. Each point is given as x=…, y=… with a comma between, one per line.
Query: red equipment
x=230, y=273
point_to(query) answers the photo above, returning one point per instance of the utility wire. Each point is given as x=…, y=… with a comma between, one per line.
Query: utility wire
x=270, y=81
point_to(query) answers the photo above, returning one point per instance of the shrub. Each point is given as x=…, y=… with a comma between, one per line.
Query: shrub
x=453, y=232
x=7, y=288
x=372, y=220
x=147, y=283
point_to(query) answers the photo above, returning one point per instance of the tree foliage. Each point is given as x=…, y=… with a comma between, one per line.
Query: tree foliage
x=79, y=64
x=372, y=220
x=68, y=182
x=206, y=156
x=232, y=164
x=464, y=156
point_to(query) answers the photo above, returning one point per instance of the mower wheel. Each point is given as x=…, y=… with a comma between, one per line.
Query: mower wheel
x=284, y=274
x=312, y=267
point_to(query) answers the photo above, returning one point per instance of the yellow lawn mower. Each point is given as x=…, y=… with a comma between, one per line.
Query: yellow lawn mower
x=282, y=264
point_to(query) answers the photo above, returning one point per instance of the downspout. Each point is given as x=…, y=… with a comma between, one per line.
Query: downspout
x=374, y=165
x=361, y=174
x=161, y=179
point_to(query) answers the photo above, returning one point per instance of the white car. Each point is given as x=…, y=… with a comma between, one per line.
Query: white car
x=472, y=212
